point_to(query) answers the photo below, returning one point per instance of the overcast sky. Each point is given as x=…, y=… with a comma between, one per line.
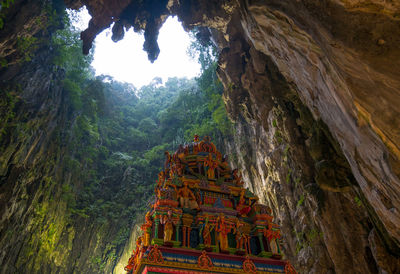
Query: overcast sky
x=126, y=61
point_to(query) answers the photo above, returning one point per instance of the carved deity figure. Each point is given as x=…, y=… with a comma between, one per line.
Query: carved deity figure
x=241, y=237
x=186, y=197
x=168, y=222
x=274, y=246
x=223, y=229
x=241, y=207
x=237, y=177
x=224, y=165
x=207, y=229
x=212, y=165
x=167, y=164
x=136, y=255
x=196, y=144
x=160, y=182
x=138, y=250
x=146, y=227
x=179, y=167
x=272, y=235
x=161, y=179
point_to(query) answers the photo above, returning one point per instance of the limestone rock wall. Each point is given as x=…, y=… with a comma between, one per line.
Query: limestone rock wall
x=313, y=88
x=313, y=93
x=39, y=230
x=293, y=162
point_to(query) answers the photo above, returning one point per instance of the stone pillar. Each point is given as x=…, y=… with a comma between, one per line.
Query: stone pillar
x=201, y=240
x=188, y=236
x=248, y=244
x=177, y=232
x=260, y=237
x=157, y=222
x=187, y=220
x=184, y=236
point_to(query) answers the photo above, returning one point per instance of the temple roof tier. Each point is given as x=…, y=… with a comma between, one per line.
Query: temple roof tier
x=204, y=221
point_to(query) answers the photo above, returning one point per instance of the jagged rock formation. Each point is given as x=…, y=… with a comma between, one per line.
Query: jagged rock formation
x=314, y=89
x=320, y=79
x=41, y=230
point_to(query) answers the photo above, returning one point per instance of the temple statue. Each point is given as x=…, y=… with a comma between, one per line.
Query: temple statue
x=237, y=177
x=241, y=237
x=206, y=233
x=146, y=227
x=223, y=229
x=167, y=164
x=168, y=223
x=202, y=216
x=161, y=179
x=272, y=235
x=211, y=165
x=186, y=197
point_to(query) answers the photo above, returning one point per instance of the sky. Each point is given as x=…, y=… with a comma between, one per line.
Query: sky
x=127, y=62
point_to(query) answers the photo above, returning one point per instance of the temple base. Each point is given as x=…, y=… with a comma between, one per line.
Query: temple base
x=224, y=251
x=265, y=254
x=157, y=241
x=184, y=260
x=168, y=244
x=240, y=252
x=276, y=256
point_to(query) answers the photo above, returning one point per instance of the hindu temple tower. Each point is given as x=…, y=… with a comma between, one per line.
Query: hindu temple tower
x=204, y=221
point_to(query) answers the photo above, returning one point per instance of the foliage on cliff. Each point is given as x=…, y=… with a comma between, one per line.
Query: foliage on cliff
x=97, y=167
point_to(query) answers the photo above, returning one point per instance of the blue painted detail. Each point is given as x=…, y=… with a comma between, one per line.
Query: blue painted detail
x=269, y=268
x=255, y=245
x=226, y=263
x=194, y=238
x=218, y=203
x=192, y=259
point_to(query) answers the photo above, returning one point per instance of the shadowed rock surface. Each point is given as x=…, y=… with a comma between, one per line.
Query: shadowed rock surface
x=313, y=88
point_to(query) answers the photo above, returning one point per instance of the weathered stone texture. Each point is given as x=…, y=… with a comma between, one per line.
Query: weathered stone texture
x=314, y=90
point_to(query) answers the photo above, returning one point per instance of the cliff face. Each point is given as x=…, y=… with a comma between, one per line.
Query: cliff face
x=313, y=93
x=42, y=228
x=313, y=88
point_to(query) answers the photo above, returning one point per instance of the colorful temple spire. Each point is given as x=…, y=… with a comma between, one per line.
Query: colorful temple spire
x=204, y=221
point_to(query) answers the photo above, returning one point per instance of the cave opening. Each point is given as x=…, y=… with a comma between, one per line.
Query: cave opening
x=307, y=91
x=177, y=56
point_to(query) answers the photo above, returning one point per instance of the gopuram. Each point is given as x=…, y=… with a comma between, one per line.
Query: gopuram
x=204, y=221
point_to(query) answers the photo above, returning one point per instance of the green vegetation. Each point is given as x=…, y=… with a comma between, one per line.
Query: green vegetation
x=26, y=46
x=308, y=238
x=297, y=181
x=9, y=98
x=4, y=4
x=288, y=176
x=107, y=146
x=358, y=201
x=278, y=136
x=300, y=201
x=115, y=141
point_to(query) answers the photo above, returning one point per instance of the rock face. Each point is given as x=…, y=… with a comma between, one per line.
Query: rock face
x=313, y=88
x=316, y=87
x=41, y=230
x=339, y=156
